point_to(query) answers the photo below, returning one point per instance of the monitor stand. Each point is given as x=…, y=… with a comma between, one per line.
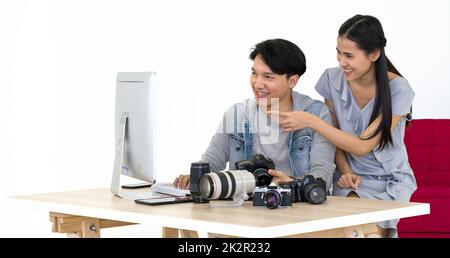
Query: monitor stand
x=137, y=185
x=116, y=189
x=118, y=162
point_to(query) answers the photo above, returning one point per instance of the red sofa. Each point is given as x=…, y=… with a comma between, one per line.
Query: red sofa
x=428, y=145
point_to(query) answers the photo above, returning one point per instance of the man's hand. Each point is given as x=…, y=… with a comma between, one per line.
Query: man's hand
x=349, y=180
x=279, y=176
x=182, y=181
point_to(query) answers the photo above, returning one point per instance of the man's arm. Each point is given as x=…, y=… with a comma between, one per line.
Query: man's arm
x=217, y=154
x=322, y=153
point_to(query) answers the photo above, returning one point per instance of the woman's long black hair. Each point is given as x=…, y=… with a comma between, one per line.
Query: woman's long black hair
x=366, y=31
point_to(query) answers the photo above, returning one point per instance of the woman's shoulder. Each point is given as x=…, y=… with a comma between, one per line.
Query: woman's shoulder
x=399, y=84
x=392, y=76
x=333, y=78
x=334, y=73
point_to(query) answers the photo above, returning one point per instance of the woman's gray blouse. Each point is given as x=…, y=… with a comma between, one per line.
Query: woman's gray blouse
x=384, y=174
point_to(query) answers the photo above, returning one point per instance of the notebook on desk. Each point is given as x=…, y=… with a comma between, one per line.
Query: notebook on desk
x=169, y=188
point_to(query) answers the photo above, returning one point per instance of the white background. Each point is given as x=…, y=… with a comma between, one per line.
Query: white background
x=59, y=59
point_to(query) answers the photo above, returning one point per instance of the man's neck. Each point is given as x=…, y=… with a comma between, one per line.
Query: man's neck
x=283, y=106
x=286, y=106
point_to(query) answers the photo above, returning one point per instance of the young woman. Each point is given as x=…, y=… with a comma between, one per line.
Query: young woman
x=371, y=104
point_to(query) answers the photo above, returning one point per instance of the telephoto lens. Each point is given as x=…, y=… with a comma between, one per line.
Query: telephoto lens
x=197, y=170
x=227, y=184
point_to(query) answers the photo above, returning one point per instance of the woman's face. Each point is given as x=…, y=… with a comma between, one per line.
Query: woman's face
x=355, y=62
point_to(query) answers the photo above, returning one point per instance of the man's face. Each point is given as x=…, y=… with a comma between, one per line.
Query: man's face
x=268, y=85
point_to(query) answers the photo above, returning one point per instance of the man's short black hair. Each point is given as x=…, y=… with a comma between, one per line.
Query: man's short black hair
x=282, y=56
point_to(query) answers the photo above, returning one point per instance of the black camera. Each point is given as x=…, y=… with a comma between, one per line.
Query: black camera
x=272, y=196
x=308, y=189
x=259, y=166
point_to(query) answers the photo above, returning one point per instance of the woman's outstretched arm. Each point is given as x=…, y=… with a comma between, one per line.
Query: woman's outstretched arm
x=356, y=145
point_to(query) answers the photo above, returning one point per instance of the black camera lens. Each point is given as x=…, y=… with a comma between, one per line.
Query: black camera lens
x=315, y=194
x=313, y=190
x=263, y=178
x=272, y=199
x=197, y=170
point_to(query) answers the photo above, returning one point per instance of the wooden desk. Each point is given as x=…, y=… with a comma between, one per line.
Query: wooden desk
x=85, y=212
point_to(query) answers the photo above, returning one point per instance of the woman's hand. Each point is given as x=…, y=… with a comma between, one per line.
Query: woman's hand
x=182, y=182
x=279, y=176
x=349, y=180
x=295, y=120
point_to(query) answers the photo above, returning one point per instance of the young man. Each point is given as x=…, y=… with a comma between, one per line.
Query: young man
x=247, y=130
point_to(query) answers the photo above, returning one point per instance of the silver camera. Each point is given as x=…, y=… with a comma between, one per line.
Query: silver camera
x=272, y=196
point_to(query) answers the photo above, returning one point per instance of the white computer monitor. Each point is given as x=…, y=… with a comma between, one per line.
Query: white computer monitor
x=135, y=116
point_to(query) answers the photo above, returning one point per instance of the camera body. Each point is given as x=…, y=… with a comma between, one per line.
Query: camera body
x=308, y=189
x=259, y=166
x=272, y=196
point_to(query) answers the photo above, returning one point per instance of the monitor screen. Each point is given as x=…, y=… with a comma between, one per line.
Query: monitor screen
x=135, y=112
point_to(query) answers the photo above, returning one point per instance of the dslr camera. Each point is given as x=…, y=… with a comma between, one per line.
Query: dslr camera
x=226, y=184
x=229, y=184
x=308, y=189
x=259, y=166
x=272, y=196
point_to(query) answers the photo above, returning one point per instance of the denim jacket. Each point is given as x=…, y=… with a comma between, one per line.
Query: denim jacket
x=309, y=152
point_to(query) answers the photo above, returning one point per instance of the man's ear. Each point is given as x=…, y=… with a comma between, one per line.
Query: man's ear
x=293, y=80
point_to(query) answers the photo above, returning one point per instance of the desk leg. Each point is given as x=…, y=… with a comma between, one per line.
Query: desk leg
x=169, y=232
x=359, y=231
x=188, y=233
x=79, y=226
x=354, y=232
x=371, y=230
x=175, y=233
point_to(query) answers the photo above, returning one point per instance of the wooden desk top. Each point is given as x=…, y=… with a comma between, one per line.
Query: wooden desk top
x=246, y=220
